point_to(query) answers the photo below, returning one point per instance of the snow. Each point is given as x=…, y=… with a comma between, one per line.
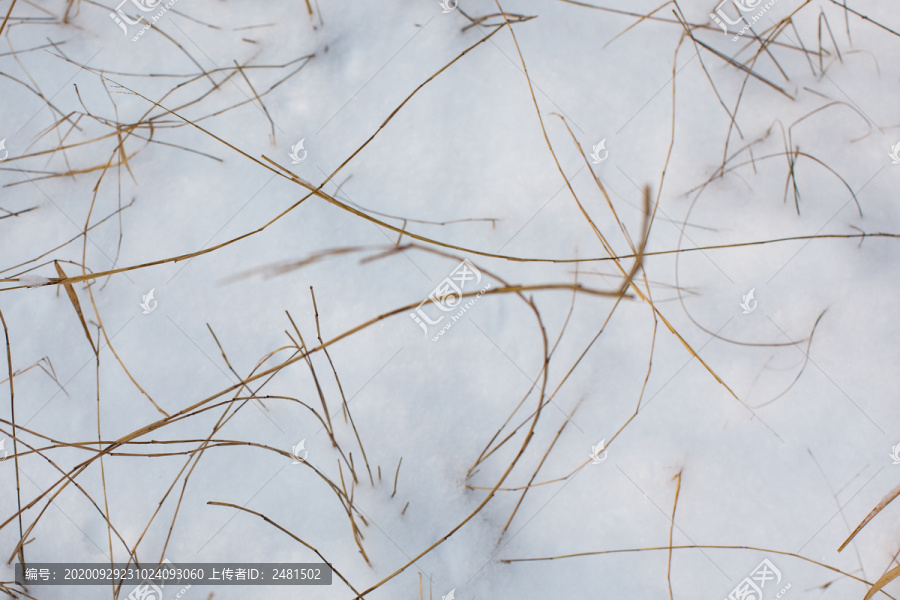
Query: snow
x=780, y=463
x=31, y=280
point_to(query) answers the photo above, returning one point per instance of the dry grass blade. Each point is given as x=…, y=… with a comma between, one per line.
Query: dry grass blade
x=885, y=579
x=17, y=213
x=858, y=14
x=672, y=531
x=344, y=405
x=499, y=462
x=6, y=18
x=258, y=99
x=175, y=259
x=638, y=253
x=109, y=345
x=878, y=508
x=64, y=244
x=748, y=70
x=396, y=476
x=106, y=517
x=276, y=525
x=302, y=348
x=12, y=404
x=802, y=368
x=73, y=298
x=695, y=547
x=535, y=473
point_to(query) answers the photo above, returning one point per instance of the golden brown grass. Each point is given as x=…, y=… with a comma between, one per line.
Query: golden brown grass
x=632, y=285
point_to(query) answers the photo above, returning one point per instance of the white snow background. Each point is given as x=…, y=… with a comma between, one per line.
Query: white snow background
x=782, y=469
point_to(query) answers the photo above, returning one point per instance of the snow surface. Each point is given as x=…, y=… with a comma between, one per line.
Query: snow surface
x=778, y=467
